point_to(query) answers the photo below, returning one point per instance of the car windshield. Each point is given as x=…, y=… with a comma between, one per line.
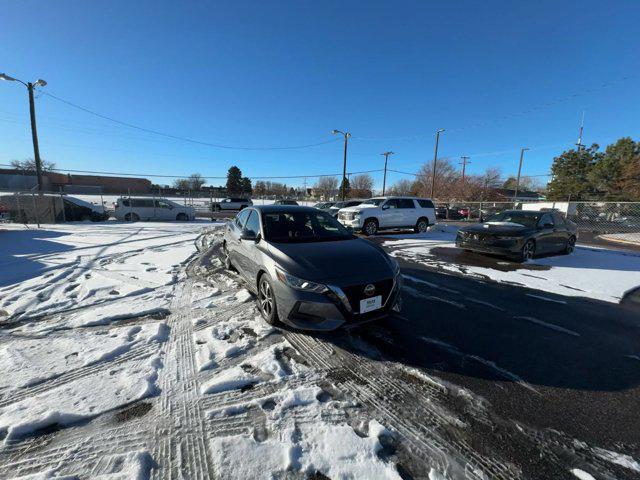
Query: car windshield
x=527, y=219
x=373, y=201
x=304, y=226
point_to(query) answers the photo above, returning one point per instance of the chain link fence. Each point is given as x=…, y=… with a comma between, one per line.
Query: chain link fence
x=613, y=221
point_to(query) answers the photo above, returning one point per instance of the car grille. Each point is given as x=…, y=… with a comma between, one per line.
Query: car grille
x=356, y=293
x=346, y=215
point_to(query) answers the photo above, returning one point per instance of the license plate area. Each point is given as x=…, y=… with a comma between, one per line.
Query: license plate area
x=371, y=304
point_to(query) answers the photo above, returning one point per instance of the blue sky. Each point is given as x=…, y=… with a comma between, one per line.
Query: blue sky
x=495, y=75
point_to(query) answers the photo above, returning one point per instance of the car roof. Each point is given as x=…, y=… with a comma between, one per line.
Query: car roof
x=283, y=208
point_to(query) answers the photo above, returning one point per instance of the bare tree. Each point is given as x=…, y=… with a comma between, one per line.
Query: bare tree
x=361, y=186
x=326, y=186
x=196, y=181
x=29, y=165
x=401, y=187
x=447, y=178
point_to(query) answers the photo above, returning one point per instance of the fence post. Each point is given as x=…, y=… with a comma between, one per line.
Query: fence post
x=130, y=206
x=64, y=214
x=154, y=206
x=35, y=210
x=211, y=203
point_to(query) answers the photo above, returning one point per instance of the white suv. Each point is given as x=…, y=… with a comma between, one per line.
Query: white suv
x=233, y=203
x=134, y=209
x=389, y=213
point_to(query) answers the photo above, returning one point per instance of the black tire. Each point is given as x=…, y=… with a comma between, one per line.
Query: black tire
x=370, y=226
x=226, y=261
x=131, y=217
x=216, y=208
x=528, y=250
x=570, y=246
x=267, y=300
x=182, y=217
x=421, y=225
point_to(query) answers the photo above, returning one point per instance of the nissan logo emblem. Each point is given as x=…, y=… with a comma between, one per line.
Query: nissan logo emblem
x=369, y=290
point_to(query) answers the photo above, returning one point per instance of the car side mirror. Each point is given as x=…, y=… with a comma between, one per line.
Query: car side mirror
x=249, y=235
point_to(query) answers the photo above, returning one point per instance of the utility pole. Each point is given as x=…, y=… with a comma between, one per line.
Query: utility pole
x=435, y=160
x=465, y=161
x=344, y=163
x=32, y=112
x=34, y=136
x=515, y=194
x=384, y=179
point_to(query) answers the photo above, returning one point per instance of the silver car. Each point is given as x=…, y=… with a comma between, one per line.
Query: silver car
x=307, y=270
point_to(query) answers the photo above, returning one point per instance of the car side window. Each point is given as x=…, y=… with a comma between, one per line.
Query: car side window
x=558, y=219
x=162, y=204
x=241, y=218
x=393, y=203
x=252, y=226
x=125, y=202
x=546, y=219
x=406, y=203
x=425, y=204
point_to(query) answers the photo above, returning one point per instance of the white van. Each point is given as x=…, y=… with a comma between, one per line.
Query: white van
x=134, y=209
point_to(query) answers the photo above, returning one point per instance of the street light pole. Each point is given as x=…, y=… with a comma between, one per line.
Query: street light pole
x=515, y=194
x=384, y=179
x=344, y=163
x=32, y=112
x=435, y=160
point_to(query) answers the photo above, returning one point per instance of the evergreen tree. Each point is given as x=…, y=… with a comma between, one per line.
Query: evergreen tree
x=234, y=181
x=571, y=171
x=246, y=185
x=347, y=187
x=607, y=174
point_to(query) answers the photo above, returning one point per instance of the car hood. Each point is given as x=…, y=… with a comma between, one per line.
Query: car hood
x=333, y=262
x=496, y=227
x=358, y=208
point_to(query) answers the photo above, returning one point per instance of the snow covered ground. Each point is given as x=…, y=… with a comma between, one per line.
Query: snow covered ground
x=631, y=238
x=592, y=272
x=116, y=364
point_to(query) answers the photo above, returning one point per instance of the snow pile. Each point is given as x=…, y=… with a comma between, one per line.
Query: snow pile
x=264, y=366
x=588, y=272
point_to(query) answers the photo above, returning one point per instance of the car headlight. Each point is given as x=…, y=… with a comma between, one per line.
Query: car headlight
x=298, y=283
x=356, y=215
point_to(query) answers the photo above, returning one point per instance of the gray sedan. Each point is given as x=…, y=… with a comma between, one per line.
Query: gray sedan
x=309, y=271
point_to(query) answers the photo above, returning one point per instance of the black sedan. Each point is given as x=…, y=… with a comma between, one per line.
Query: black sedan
x=520, y=234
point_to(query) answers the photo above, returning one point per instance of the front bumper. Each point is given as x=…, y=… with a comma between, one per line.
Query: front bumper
x=327, y=311
x=353, y=224
x=508, y=248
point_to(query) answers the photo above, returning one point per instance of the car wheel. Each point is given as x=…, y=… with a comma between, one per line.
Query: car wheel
x=131, y=217
x=528, y=251
x=225, y=257
x=370, y=226
x=182, y=217
x=421, y=226
x=571, y=245
x=267, y=300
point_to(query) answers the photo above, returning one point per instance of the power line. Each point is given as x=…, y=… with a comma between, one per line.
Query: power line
x=93, y=172
x=178, y=137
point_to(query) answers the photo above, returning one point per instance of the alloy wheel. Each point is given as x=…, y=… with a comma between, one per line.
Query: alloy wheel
x=265, y=299
x=571, y=245
x=371, y=228
x=528, y=250
x=422, y=226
